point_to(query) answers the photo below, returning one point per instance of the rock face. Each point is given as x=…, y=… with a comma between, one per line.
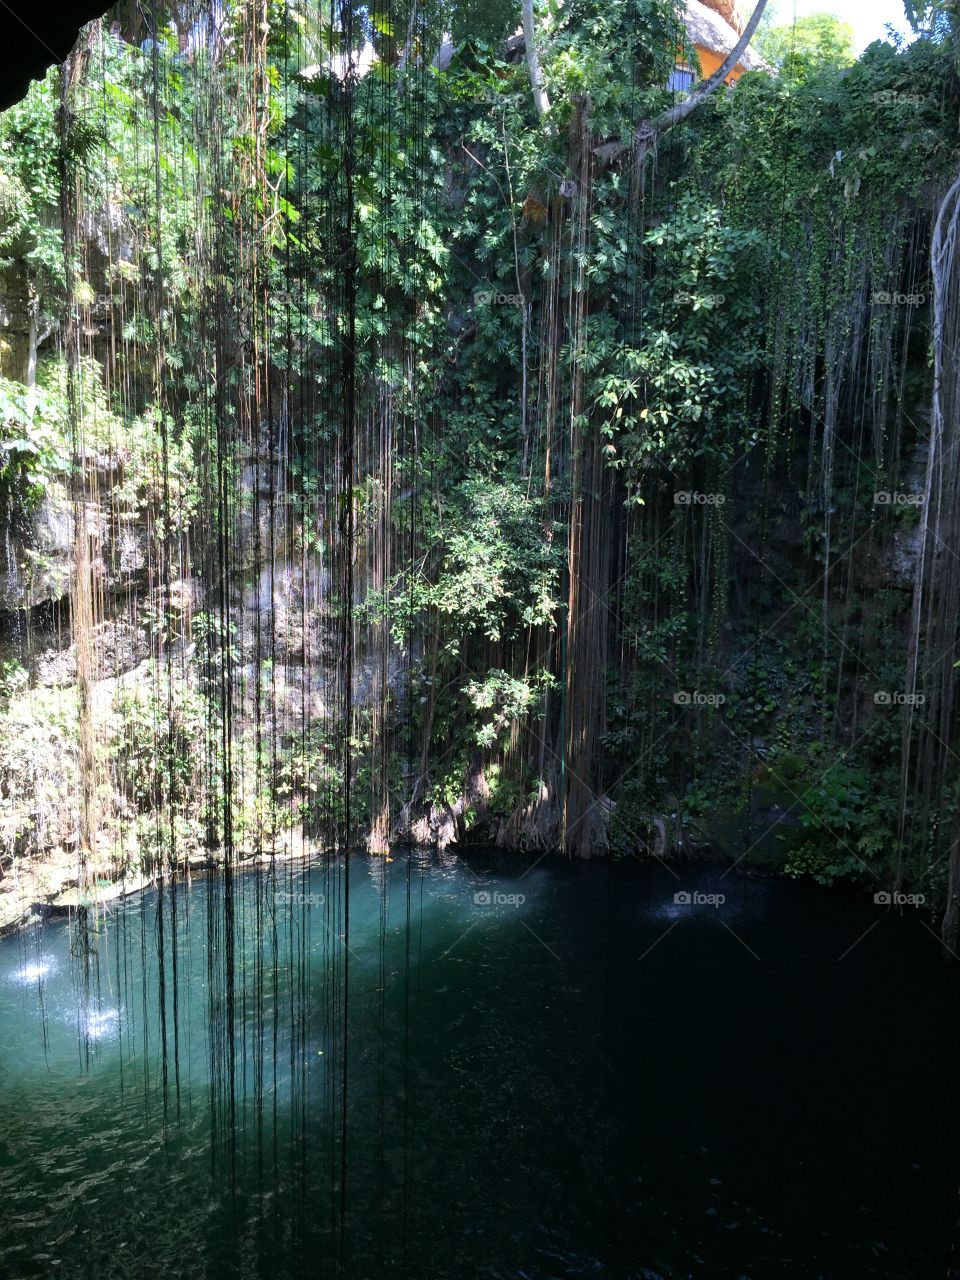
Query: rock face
x=37, y=553
x=36, y=560
x=117, y=647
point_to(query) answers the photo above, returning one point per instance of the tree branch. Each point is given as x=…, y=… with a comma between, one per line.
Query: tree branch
x=540, y=99
x=693, y=100
x=649, y=131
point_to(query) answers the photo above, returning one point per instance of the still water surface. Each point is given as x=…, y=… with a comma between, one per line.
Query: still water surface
x=551, y=1072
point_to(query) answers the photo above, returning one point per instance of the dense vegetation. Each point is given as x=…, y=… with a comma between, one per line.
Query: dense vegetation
x=384, y=459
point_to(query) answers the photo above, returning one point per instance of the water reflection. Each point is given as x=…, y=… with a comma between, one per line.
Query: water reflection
x=552, y=1071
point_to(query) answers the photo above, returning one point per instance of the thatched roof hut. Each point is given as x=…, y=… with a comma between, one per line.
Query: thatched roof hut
x=729, y=11
x=713, y=36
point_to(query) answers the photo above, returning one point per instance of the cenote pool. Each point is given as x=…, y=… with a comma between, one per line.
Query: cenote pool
x=550, y=1072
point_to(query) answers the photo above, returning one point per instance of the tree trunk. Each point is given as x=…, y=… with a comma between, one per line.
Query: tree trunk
x=540, y=99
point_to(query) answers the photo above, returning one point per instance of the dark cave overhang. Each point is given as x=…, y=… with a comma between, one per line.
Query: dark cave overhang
x=35, y=36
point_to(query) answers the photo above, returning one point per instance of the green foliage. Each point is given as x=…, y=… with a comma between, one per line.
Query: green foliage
x=846, y=822
x=14, y=678
x=39, y=772
x=682, y=321
x=32, y=445
x=309, y=781
x=807, y=45
x=157, y=760
x=497, y=572
x=217, y=654
x=672, y=393
x=30, y=192
x=491, y=569
x=505, y=699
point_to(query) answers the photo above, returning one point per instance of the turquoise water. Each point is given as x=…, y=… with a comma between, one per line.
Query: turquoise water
x=548, y=1072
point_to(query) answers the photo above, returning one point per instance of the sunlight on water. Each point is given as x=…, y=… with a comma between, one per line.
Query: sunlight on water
x=30, y=974
x=102, y=1024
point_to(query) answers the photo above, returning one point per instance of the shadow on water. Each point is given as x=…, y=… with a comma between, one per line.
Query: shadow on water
x=572, y=1070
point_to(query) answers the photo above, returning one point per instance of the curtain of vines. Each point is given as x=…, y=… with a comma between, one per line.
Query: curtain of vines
x=453, y=471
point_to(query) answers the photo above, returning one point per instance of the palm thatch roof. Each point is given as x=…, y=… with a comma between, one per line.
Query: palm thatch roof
x=729, y=10
x=708, y=30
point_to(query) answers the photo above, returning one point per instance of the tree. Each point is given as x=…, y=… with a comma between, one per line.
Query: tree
x=541, y=101
x=808, y=44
